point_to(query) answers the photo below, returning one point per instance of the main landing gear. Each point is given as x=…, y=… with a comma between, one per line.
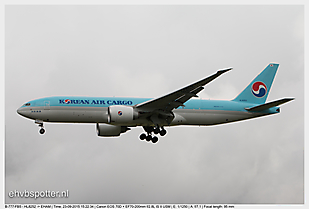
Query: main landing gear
x=42, y=130
x=149, y=130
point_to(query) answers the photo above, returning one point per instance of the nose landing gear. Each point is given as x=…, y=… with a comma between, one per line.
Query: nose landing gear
x=40, y=122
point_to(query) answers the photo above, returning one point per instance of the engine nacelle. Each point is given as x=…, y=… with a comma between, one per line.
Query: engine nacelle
x=110, y=130
x=121, y=114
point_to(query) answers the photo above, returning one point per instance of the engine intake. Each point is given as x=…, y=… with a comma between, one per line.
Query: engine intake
x=121, y=114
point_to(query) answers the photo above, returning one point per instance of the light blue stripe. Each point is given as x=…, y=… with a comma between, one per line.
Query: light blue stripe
x=74, y=101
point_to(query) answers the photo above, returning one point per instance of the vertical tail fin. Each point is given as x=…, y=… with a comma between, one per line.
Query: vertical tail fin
x=257, y=91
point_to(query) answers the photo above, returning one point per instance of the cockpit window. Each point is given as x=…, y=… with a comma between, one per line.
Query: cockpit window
x=27, y=104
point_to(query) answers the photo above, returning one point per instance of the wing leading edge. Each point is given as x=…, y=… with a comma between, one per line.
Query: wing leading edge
x=167, y=103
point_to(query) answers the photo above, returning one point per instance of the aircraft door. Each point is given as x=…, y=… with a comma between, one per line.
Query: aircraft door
x=47, y=105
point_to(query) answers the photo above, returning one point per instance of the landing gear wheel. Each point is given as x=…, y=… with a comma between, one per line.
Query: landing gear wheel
x=154, y=139
x=156, y=131
x=150, y=132
x=148, y=138
x=42, y=131
x=142, y=136
x=40, y=122
x=162, y=132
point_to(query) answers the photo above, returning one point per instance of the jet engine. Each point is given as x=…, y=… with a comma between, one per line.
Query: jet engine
x=110, y=130
x=121, y=114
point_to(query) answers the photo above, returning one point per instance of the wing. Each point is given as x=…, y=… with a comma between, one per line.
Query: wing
x=165, y=104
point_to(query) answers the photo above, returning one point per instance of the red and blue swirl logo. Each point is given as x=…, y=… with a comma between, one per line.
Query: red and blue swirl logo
x=67, y=101
x=119, y=113
x=259, y=89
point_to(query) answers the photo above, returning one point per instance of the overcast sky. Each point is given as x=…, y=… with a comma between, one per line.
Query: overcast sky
x=148, y=51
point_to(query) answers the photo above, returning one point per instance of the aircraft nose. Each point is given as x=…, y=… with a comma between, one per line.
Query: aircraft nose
x=19, y=111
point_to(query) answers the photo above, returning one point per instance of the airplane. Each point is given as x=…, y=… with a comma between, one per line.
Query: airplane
x=116, y=115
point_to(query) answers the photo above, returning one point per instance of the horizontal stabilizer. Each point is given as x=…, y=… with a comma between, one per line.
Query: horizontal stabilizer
x=269, y=105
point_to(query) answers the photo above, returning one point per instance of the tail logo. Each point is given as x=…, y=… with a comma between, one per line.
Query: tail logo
x=259, y=89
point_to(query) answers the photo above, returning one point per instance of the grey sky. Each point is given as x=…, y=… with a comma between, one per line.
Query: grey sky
x=148, y=51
